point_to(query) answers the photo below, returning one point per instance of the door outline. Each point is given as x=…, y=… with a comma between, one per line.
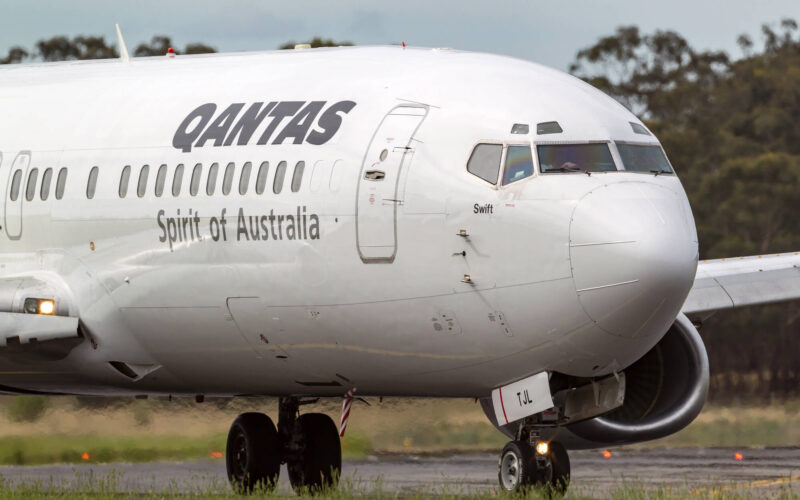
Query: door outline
x=16, y=205
x=4, y=200
x=403, y=161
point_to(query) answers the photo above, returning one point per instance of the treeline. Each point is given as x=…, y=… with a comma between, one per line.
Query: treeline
x=732, y=131
x=61, y=48
x=731, y=128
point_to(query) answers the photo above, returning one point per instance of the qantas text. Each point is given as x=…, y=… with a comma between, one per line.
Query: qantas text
x=301, y=122
x=186, y=227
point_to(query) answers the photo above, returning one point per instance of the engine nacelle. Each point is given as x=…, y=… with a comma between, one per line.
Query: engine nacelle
x=664, y=391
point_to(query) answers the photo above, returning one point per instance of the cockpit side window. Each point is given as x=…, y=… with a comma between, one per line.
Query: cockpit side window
x=485, y=161
x=519, y=164
x=565, y=158
x=643, y=158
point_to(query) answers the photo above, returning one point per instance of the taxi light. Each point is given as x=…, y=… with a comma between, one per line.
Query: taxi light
x=39, y=306
x=542, y=448
x=47, y=307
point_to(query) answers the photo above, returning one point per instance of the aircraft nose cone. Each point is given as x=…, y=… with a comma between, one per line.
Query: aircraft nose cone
x=633, y=250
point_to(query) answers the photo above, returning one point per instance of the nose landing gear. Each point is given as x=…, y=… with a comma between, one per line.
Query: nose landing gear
x=522, y=467
x=308, y=444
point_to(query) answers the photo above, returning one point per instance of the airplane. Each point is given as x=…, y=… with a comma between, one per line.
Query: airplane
x=356, y=221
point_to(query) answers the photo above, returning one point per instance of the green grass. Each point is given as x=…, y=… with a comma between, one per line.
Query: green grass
x=108, y=487
x=158, y=430
x=37, y=450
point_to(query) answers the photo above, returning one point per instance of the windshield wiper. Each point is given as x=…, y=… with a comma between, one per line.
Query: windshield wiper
x=564, y=169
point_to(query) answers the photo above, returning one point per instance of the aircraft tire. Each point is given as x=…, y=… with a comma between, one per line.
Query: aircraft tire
x=252, y=454
x=318, y=466
x=517, y=469
x=559, y=460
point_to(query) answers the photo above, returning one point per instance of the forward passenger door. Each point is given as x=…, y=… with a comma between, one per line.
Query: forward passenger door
x=378, y=186
x=14, y=194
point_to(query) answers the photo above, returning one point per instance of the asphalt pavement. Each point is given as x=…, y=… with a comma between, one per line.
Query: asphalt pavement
x=749, y=472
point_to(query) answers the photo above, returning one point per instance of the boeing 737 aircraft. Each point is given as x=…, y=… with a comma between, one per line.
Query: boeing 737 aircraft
x=386, y=220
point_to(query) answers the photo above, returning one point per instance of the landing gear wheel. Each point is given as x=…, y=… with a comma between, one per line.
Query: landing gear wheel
x=517, y=467
x=318, y=466
x=559, y=460
x=252, y=455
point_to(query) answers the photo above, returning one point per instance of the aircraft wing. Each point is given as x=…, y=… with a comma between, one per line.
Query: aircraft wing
x=743, y=281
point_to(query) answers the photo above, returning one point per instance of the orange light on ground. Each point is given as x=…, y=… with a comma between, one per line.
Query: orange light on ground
x=738, y=456
x=606, y=454
x=85, y=456
x=216, y=454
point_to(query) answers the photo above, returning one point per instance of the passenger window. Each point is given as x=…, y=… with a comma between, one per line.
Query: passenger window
x=244, y=178
x=142, y=187
x=337, y=173
x=261, y=179
x=61, y=183
x=30, y=190
x=227, y=179
x=317, y=176
x=124, y=179
x=297, y=178
x=177, y=180
x=15, y=183
x=161, y=179
x=211, y=182
x=194, y=187
x=47, y=176
x=91, y=186
x=280, y=173
x=485, y=161
x=519, y=164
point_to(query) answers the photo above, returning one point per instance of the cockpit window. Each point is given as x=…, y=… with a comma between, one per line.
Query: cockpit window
x=644, y=158
x=519, y=164
x=575, y=158
x=485, y=161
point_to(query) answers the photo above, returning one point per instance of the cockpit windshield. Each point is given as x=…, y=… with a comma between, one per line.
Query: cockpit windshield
x=575, y=158
x=643, y=158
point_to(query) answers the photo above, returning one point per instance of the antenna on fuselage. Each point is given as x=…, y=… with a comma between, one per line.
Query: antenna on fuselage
x=123, y=49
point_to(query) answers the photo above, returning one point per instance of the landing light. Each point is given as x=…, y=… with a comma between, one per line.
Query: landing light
x=542, y=447
x=39, y=306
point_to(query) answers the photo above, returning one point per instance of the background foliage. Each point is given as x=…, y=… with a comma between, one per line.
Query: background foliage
x=730, y=128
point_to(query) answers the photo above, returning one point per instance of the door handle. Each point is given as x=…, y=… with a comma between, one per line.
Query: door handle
x=374, y=175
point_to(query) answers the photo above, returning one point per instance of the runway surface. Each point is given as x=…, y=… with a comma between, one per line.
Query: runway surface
x=759, y=473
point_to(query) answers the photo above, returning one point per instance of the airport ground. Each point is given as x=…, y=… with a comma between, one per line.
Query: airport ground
x=406, y=448
x=660, y=473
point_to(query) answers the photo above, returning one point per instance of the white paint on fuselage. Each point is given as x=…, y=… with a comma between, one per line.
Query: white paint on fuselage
x=200, y=309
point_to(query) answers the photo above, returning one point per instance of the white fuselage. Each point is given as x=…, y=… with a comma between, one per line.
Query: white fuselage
x=568, y=272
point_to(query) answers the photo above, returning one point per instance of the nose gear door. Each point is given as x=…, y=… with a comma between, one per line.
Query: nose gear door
x=378, y=196
x=14, y=194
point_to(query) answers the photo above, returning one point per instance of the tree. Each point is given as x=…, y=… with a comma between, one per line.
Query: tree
x=16, y=54
x=160, y=44
x=641, y=70
x=61, y=48
x=317, y=42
